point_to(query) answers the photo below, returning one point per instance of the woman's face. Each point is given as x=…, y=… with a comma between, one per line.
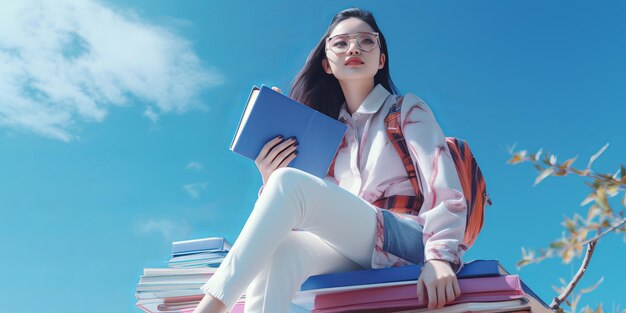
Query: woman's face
x=335, y=63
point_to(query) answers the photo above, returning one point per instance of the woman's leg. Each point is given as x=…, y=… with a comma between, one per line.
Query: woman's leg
x=294, y=199
x=300, y=255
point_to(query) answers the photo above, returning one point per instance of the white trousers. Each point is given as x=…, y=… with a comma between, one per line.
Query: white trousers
x=269, y=260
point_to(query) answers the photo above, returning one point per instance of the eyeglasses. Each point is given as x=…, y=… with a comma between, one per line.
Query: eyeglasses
x=365, y=41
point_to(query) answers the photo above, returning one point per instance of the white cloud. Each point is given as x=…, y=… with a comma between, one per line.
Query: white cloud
x=66, y=62
x=170, y=230
x=149, y=113
x=195, y=189
x=194, y=166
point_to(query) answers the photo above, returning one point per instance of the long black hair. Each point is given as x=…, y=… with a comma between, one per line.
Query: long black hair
x=321, y=91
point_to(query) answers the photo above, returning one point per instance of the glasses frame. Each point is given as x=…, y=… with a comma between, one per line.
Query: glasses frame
x=351, y=37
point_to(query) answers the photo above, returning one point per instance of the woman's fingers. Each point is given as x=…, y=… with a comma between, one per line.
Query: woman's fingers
x=284, y=155
x=457, y=289
x=420, y=289
x=266, y=148
x=288, y=159
x=450, y=296
x=432, y=296
x=441, y=295
x=271, y=156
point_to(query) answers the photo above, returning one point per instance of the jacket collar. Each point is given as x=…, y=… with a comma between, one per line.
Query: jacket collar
x=370, y=105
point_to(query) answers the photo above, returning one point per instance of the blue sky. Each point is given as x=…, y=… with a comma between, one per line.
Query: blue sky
x=116, y=117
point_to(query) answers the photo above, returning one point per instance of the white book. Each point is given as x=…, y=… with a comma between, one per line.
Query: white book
x=476, y=307
x=155, y=295
x=163, y=271
x=168, y=287
x=168, y=293
x=174, y=279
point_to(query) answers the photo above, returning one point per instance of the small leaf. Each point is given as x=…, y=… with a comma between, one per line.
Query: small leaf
x=580, y=173
x=593, y=287
x=567, y=256
x=593, y=212
x=601, y=200
x=615, y=174
x=569, y=162
x=595, y=156
x=575, y=302
x=593, y=226
x=522, y=262
x=543, y=175
x=515, y=159
x=538, y=154
x=570, y=225
x=557, y=245
x=590, y=197
x=560, y=172
x=552, y=159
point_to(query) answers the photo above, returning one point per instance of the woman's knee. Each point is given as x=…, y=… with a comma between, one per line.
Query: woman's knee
x=288, y=177
x=292, y=252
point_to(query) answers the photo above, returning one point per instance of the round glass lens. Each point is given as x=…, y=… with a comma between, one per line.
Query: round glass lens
x=365, y=42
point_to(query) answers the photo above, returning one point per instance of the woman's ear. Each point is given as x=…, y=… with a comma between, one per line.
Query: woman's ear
x=383, y=58
x=326, y=67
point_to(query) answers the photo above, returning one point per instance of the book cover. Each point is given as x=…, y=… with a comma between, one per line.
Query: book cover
x=477, y=268
x=210, y=243
x=269, y=113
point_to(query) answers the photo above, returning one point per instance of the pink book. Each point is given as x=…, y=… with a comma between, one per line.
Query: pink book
x=481, y=289
x=237, y=308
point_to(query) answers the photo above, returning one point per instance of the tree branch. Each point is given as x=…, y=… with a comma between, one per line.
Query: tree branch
x=556, y=302
x=618, y=224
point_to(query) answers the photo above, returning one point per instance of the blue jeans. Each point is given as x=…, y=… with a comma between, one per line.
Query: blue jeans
x=403, y=238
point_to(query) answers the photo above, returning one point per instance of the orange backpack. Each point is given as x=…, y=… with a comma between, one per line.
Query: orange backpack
x=472, y=181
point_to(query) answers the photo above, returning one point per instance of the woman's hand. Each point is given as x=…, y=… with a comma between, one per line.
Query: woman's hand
x=440, y=282
x=275, y=154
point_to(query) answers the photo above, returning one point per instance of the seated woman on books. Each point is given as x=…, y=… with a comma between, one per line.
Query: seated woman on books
x=302, y=225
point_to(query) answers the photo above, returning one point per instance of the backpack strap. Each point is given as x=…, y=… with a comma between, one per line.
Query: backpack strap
x=401, y=203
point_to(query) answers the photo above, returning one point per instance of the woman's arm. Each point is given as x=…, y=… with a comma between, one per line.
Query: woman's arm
x=443, y=214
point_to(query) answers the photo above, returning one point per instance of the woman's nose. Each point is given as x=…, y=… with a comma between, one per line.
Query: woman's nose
x=352, y=46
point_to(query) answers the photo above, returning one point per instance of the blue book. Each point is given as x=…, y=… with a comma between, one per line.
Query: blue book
x=195, y=245
x=477, y=268
x=269, y=113
x=335, y=282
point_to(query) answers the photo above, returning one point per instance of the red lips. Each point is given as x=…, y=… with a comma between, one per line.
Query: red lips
x=354, y=59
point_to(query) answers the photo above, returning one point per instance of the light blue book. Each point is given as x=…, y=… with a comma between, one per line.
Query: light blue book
x=216, y=244
x=269, y=113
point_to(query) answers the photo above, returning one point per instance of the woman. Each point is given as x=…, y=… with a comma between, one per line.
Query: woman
x=302, y=225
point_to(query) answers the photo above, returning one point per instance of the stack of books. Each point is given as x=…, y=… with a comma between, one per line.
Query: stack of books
x=485, y=287
x=176, y=289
